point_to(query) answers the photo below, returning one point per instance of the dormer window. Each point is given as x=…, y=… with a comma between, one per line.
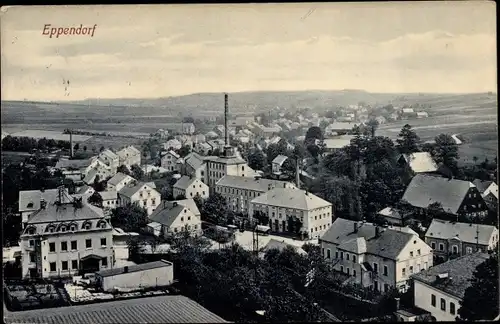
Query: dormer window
x=72, y=227
x=87, y=225
x=63, y=228
x=31, y=231
x=30, y=205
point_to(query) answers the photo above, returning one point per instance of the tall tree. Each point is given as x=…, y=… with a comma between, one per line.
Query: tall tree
x=130, y=218
x=313, y=133
x=215, y=209
x=137, y=172
x=446, y=151
x=480, y=301
x=257, y=160
x=372, y=125
x=408, y=141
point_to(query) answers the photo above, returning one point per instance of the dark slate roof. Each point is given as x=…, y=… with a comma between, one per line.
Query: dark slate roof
x=482, y=185
x=130, y=191
x=460, y=271
x=117, y=178
x=134, y=268
x=74, y=164
x=65, y=212
x=466, y=232
x=164, y=309
x=184, y=182
x=425, y=190
x=33, y=197
x=166, y=215
x=389, y=244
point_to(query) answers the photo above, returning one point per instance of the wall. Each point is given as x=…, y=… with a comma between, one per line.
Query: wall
x=150, y=199
x=419, y=262
x=423, y=300
x=141, y=279
x=185, y=219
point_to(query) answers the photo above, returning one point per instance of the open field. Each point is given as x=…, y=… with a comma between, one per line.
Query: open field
x=55, y=135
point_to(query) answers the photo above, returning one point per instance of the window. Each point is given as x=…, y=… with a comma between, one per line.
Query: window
x=411, y=269
x=145, y=202
x=385, y=270
x=64, y=265
x=443, y=304
x=342, y=269
x=347, y=256
x=342, y=255
x=52, y=267
x=348, y=271
x=323, y=251
x=87, y=226
x=469, y=250
x=104, y=262
x=452, y=308
x=32, y=242
x=353, y=273
x=153, y=201
x=182, y=219
x=336, y=254
x=386, y=287
x=64, y=246
x=328, y=253
x=52, y=247
x=375, y=267
x=103, y=241
x=88, y=243
x=411, y=254
x=354, y=258
x=32, y=257
x=418, y=252
x=433, y=245
x=74, y=264
x=73, y=245
x=441, y=247
x=455, y=249
x=404, y=271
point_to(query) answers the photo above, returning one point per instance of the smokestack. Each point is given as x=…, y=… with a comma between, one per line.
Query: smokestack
x=70, y=144
x=297, y=173
x=226, y=112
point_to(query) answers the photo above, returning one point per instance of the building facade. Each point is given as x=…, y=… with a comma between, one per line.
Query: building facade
x=129, y=156
x=190, y=187
x=169, y=161
x=142, y=195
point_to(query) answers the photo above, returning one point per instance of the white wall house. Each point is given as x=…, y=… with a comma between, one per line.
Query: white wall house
x=64, y=237
x=109, y=199
x=194, y=166
x=129, y=156
x=277, y=164
x=109, y=158
x=118, y=181
x=175, y=217
x=189, y=187
x=239, y=191
x=376, y=257
x=141, y=194
x=218, y=167
x=440, y=289
x=140, y=276
x=280, y=204
x=169, y=161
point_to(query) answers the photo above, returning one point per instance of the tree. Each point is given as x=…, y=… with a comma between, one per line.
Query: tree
x=123, y=169
x=372, y=125
x=215, y=209
x=76, y=147
x=257, y=160
x=261, y=218
x=184, y=151
x=137, y=172
x=480, y=301
x=408, y=141
x=102, y=148
x=446, y=152
x=85, y=148
x=188, y=120
x=273, y=150
x=314, y=150
x=313, y=133
x=95, y=199
x=130, y=218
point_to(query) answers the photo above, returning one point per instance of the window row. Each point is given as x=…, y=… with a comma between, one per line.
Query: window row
x=321, y=228
x=454, y=248
x=71, y=227
x=443, y=304
x=73, y=245
x=74, y=265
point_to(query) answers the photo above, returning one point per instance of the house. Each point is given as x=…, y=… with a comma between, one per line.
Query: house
x=266, y=132
x=109, y=199
x=189, y=187
x=118, y=181
x=278, y=163
x=219, y=130
x=418, y=162
x=121, y=243
x=455, y=197
x=188, y=128
x=169, y=161
x=422, y=114
x=211, y=135
x=149, y=168
x=161, y=133
x=129, y=156
x=457, y=140
x=110, y=159
x=489, y=192
x=140, y=276
x=376, y=257
x=284, y=205
x=218, y=167
x=441, y=288
x=239, y=191
x=452, y=239
x=141, y=194
x=408, y=113
x=392, y=216
x=241, y=121
x=74, y=169
x=242, y=137
x=163, y=309
x=194, y=166
x=339, y=142
x=381, y=120
x=98, y=170
x=65, y=237
x=30, y=200
x=274, y=244
x=216, y=144
x=202, y=148
x=175, y=217
x=85, y=191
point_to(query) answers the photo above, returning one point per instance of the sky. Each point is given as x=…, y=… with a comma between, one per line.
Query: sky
x=153, y=51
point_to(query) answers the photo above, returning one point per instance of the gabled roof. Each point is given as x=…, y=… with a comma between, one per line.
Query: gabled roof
x=291, y=198
x=482, y=185
x=356, y=245
x=167, y=214
x=83, y=190
x=247, y=183
x=65, y=212
x=389, y=244
x=128, y=151
x=109, y=154
x=130, y=191
x=281, y=245
x=91, y=175
x=420, y=162
x=177, y=156
x=188, y=203
x=425, y=190
x=134, y=268
x=280, y=159
x=338, y=142
x=109, y=195
x=459, y=270
x=184, y=182
x=73, y=164
x=29, y=200
x=194, y=160
x=445, y=230
x=164, y=309
x=117, y=178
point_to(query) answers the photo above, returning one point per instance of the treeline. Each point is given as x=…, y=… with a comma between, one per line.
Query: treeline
x=27, y=144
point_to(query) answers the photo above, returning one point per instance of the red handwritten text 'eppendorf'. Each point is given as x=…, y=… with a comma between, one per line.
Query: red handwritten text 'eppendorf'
x=60, y=31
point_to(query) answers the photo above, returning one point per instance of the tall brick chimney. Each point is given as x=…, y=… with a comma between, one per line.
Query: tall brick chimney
x=70, y=144
x=226, y=112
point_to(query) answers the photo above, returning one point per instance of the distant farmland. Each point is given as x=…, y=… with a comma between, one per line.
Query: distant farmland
x=58, y=136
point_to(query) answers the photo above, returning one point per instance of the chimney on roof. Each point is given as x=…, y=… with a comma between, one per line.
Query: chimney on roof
x=355, y=227
x=377, y=231
x=125, y=269
x=43, y=203
x=174, y=204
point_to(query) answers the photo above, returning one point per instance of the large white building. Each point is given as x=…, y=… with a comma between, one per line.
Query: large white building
x=109, y=158
x=194, y=166
x=129, y=156
x=170, y=161
x=280, y=204
x=175, y=217
x=118, y=181
x=376, y=257
x=229, y=164
x=239, y=191
x=65, y=237
x=440, y=289
x=141, y=194
x=189, y=187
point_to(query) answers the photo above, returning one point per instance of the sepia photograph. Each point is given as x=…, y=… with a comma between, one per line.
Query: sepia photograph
x=264, y=163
